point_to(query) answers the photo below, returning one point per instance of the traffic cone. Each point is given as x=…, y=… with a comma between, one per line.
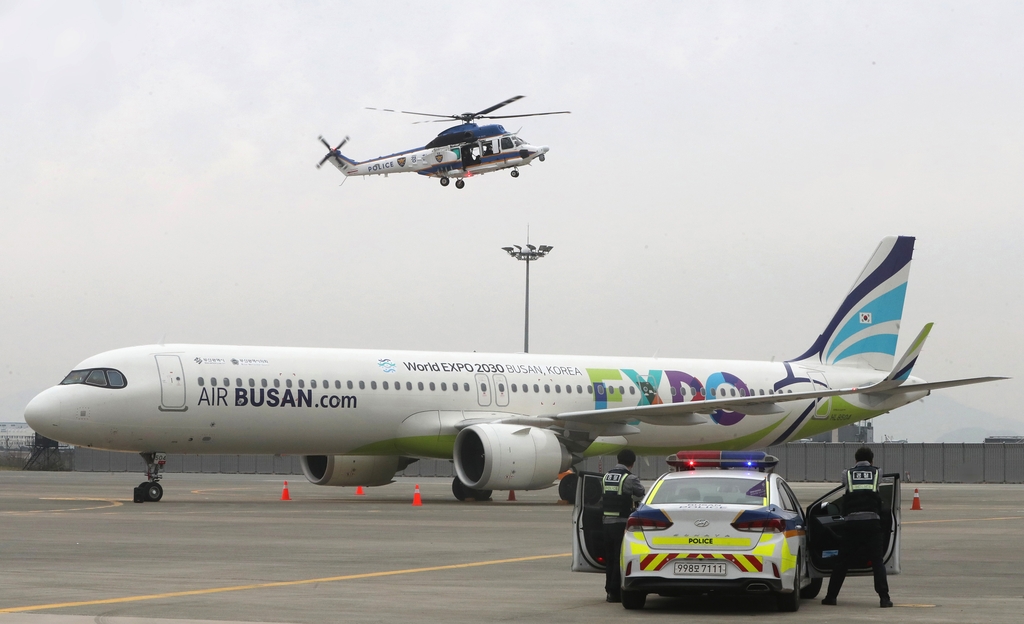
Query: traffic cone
x=284, y=493
x=917, y=501
x=416, y=500
x=511, y=496
x=359, y=491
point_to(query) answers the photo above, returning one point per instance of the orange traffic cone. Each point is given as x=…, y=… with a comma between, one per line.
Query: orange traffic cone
x=917, y=501
x=359, y=491
x=511, y=496
x=416, y=500
x=284, y=493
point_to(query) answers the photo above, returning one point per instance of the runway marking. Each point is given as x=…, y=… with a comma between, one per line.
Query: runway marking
x=112, y=502
x=963, y=520
x=220, y=490
x=329, y=579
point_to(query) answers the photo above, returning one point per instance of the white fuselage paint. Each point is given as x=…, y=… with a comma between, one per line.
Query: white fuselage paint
x=147, y=414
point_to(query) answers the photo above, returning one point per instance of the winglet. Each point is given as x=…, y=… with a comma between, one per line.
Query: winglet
x=901, y=371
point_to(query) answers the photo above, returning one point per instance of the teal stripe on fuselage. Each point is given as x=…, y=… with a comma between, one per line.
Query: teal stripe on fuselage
x=887, y=307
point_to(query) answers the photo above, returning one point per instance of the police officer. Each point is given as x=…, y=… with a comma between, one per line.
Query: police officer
x=862, y=531
x=622, y=490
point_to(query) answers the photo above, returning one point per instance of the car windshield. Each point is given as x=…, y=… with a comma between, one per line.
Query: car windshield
x=727, y=490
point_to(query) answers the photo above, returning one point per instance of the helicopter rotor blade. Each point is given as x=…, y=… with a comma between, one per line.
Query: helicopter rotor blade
x=499, y=105
x=391, y=110
x=524, y=115
x=324, y=141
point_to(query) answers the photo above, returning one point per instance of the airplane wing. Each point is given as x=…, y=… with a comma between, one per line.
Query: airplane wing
x=690, y=412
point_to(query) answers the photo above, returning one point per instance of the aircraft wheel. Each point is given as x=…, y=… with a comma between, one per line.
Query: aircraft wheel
x=460, y=184
x=460, y=491
x=541, y=158
x=515, y=173
x=154, y=492
x=567, y=487
x=445, y=181
x=481, y=495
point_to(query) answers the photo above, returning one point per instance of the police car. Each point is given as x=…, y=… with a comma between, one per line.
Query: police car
x=723, y=523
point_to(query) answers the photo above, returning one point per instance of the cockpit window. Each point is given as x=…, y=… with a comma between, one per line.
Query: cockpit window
x=506, y=143
x=517, y=141
x=101, y=377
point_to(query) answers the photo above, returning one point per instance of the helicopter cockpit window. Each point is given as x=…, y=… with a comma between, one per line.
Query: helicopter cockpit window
x=506, y=143
x=517, y=141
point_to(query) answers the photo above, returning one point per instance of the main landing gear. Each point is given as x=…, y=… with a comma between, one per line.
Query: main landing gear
x=515, y=172
x=460, y=184
x=445, y=181
x=463, y=493
x=150, y=491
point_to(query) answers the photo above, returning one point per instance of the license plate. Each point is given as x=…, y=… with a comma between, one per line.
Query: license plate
x=716, y=568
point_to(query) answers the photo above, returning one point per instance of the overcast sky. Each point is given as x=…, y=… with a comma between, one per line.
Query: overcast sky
x=726, y=171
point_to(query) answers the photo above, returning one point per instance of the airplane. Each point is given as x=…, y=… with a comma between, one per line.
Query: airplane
x=457, y=153
x=507, y=421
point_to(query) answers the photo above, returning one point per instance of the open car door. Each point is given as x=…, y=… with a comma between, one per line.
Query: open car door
x=587, y=524
x=825, y=519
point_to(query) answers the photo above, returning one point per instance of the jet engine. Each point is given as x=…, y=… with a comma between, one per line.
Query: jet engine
x=508, y=457
x=352, y=470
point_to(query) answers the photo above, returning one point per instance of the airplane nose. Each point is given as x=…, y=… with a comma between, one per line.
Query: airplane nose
x=42, y=412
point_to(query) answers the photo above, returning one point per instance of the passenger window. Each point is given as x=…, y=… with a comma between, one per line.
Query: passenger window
x=227, y=382
x=465, y=387
x=337, y=384
x=288, y=383
x=632, y=390
x=408, y=385
x=598, y=387
x=252, y=382
x=536, y=388
x=96, y=378
x=483, y=387
x=373, y=385
x=362, y=385
x=398, y=385
x=568, y=389
x=115, y=379
x=672, y=390
x=213, y=381
x=611, y=389
x=302, y=383
x=201, y=382
x=420, y=385
x=326, y=384
x=732, y=391
x=622, y=390
x=712, y=393
x=488, y=147
x=547, y=389
x=312, y=383
x=444, y=387
x=514, y=388
x=384, y=385
x=506, y=143
x=501, y=387
x=238, y=382
x=526, y=388
x=263, y=383
x=580, y=390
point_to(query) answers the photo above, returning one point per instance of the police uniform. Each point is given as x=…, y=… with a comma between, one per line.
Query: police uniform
x=622, y=490
x=862, y=531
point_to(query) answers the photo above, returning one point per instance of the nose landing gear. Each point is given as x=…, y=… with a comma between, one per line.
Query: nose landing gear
x=515, y=172
x=150, y=491
x=460, y=184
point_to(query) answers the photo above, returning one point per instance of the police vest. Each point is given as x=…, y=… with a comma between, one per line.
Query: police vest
x=862, y=490
x=615, y=503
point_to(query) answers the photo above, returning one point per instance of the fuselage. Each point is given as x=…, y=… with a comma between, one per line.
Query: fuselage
x=232, y=399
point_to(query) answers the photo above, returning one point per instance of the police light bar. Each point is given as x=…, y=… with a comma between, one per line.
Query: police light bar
x=748, y=460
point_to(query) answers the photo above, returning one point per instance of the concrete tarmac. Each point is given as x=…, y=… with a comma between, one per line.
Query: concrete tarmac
x=75, y=549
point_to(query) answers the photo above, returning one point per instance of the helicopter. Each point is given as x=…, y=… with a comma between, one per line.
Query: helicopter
x=456, y=153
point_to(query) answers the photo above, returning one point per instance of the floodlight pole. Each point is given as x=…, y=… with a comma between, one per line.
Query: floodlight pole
x=529, y=254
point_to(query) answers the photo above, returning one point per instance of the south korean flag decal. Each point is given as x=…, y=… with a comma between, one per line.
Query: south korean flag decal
x=865, y=318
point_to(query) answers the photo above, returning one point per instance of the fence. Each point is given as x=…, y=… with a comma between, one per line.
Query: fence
x=813, y=461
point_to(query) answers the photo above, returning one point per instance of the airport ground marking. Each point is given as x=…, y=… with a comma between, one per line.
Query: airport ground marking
x=328, y=579
x=112, y=502
x=963, y=520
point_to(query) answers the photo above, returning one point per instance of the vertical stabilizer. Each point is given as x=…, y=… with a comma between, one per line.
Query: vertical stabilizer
x=864, y=330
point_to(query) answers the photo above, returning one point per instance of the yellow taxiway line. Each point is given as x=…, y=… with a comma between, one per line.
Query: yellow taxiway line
x=219, y=590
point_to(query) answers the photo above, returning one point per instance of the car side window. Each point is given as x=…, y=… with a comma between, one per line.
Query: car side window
x=790, y=498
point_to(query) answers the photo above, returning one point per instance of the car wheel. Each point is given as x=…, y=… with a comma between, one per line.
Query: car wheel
x=812, y=589
x=633, y=599
x=791, y=601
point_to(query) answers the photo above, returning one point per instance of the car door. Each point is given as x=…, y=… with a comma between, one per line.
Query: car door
x=587, y=524
x=824, y=524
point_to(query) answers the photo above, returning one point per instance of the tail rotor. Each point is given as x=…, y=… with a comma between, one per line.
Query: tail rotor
x=331, y=151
